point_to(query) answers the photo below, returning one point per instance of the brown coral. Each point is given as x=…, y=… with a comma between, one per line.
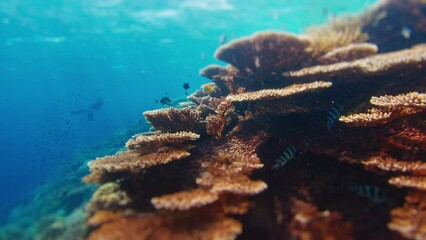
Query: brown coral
x=238, y=184
x=132, y=160
x=175, y=120
x=380, y=64
x=108, y=196
x=338, y=33
x=103, y=216
x=215, y=124
x=411, y=100
x=309, y=223
x=223, y=77
x=408, y=138
x=392, y=107
x=223, y=166
x=185, y=200
x=151, y=142
x=168, y=227
x=409, y=182
x=348, y=53
x=373, y=118
x=392, y=165
x=266, y=52
x=269, y=94
x=410, y=219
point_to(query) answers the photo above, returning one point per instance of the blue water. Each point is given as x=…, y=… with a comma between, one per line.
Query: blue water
x=59, y=56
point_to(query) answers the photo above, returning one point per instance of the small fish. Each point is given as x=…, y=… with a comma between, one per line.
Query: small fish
x=333, y=114
x=186, y=86
x=208, y=88
x=406, y=32
x=222, y=39
x=375, y=193
x=288, y=154
x=166, y=101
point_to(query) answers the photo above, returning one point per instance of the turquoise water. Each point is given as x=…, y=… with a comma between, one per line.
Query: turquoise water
x=58, y=57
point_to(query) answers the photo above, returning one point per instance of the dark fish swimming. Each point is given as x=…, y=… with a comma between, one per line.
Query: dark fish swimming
x=333, y=115
x=222, y=39
x=288, y=154
x=186, y=86
x=374, y=193
x=166, y=101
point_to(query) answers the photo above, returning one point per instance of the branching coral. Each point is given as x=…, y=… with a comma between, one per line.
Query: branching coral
x=380, y=64
x=185, y=200
x=175, y=120
x=269, y=94
x=409, y=182
x=151, y=142
x=411, y=100
x=132, y=160
x=373, y=117
x=408, y=138
x=260, y=110
x=392, y=107
x=168, y=227
x=348, y=53
x=236, y=184
x=392, y=165
x=338, y=33
x=215, y=124
x=223, y=77
x=309, y=223
x=108, y=196
x=409, y=220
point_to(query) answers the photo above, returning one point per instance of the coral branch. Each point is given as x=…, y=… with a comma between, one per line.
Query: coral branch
x=269, y=94
x=347, y=53
x=411, y=100
x=373, y=118
x=108, y=196
x=215, y=124
x=169, y=227
x=409, y=220
x=175, y=120
x=338, y=33
x=380, y=64
x=151, y=142
x=309, y=223
x=185, y=200
x=409, y=182
x=392, y=165
x=239, y=184
x=132, y=160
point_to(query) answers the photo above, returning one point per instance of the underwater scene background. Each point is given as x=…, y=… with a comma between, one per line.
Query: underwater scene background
x=76, y=76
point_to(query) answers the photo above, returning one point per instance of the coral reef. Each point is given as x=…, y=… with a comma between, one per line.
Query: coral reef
x=224, y=184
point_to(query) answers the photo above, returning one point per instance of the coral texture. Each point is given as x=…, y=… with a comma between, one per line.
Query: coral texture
x=268, y=98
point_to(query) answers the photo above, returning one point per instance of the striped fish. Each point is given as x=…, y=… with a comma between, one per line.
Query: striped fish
x=333, y=114
x=374, y=193
x=288, y=154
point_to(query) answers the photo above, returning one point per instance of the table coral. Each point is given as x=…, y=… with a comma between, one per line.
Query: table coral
x=267, y=98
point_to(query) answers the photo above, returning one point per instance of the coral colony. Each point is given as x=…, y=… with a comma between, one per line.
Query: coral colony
x=207, y=172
